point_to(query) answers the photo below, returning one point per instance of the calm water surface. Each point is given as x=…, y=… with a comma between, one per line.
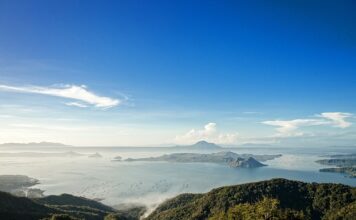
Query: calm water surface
x=152, y=182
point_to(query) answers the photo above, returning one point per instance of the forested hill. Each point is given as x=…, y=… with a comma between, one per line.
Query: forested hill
x=273, y=199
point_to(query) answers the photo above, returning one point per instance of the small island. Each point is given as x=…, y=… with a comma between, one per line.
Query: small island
x=350, y=171
x=245, y=163
x=117, y=158
x=225, y=157
x=20, y=185
x=345, y=163
x=96, y=155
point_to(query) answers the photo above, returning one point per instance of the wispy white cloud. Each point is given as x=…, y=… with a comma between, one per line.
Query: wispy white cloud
x=290, y=127
x=287, y=127
x=80, y=93
x=76, y=104
x=337, y=118
x=208, y=133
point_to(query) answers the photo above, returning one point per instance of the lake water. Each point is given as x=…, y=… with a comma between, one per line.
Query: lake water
x=150, y=183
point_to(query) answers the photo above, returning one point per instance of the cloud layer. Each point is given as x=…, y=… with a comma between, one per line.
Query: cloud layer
x=208, y=133
x=290, y=127
x=74, y=92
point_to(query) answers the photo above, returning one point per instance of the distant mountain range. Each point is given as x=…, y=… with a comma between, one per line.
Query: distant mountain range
x=35, y=144
x=200, y=145
x=41, y=154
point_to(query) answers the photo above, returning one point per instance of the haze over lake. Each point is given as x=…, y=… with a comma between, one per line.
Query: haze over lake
x=150, y=183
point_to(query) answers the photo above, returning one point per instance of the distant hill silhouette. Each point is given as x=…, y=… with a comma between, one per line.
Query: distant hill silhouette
x=200, y=145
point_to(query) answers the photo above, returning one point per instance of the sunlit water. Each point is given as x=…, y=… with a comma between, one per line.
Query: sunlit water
x=150, y=183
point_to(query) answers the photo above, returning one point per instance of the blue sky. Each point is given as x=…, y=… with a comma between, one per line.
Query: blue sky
x=162, y=70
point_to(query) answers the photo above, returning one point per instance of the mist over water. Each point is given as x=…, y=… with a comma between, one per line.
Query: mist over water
x=150, y=183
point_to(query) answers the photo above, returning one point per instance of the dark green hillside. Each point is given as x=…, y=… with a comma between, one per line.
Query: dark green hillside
x=275, y=199
x=61, y=207
x=12, y=207
x=292, y=199
x=70, y=200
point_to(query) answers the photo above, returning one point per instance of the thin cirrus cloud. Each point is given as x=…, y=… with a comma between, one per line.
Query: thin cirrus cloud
x=76, y=104
x=208, y=133
x=73, y=92
x=289, y=127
